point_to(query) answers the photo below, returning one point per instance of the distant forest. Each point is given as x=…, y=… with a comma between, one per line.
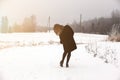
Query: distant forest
x=100, y=25
x=97, y=25
x=29, y=25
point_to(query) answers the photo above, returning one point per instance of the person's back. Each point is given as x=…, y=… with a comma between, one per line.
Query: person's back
x=66, y=38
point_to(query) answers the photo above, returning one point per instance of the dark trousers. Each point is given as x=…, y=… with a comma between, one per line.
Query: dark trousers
x=68, y=54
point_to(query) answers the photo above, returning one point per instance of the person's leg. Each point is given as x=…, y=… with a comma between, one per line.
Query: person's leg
x=63, y=57
x=68, y=58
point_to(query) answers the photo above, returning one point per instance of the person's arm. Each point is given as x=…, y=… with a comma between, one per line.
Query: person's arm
x=60, y=40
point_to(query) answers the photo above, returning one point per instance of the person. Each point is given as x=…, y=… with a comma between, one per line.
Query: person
x=65, y=34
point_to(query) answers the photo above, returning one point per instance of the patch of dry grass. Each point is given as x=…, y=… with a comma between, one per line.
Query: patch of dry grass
x=115, y=33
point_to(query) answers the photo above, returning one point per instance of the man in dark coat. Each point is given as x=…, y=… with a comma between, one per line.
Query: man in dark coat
x=66, y=38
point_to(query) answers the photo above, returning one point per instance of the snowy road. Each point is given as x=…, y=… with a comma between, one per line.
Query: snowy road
x=37, y=63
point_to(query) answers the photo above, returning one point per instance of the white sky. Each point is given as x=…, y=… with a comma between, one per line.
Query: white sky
x=61, y=11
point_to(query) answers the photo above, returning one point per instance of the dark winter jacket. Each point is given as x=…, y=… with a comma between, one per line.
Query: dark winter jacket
x=66, y=38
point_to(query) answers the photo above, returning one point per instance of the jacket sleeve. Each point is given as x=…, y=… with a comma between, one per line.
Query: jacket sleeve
x=60, y=40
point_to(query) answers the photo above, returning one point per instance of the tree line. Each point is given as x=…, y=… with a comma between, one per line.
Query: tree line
x=100, y=25
x=29, y=25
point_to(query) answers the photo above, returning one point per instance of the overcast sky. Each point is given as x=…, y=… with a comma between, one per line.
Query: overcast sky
x=61, y=11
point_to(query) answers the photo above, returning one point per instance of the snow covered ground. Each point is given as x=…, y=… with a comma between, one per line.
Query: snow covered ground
x=36, y=56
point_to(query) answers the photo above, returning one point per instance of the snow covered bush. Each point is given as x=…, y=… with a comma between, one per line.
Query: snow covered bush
x=115, y=33
x=107, y=51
